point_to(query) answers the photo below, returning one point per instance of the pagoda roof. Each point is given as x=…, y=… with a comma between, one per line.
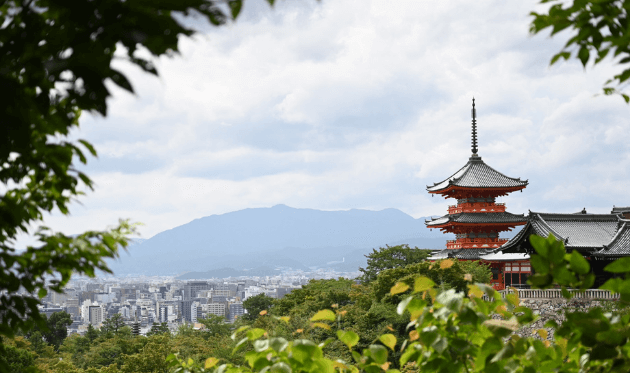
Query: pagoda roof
x=619, y=210
x=478, y=218
x=620, y=244
x=581, y=231
x=477, y=174
x=466, y=254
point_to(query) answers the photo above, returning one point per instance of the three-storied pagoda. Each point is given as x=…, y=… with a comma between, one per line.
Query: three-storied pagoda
x=477, y=219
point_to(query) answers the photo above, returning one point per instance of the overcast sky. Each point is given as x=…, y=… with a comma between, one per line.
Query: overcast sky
x=344, y=104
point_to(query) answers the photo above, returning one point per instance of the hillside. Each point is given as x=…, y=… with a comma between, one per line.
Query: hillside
x=278, y=236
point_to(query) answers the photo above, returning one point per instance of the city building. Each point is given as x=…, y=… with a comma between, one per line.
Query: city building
x=95, y=315
x=235, y=310
x=193, y=287
x=216, y=309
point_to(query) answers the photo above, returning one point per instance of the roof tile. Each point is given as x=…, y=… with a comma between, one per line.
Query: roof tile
x=477, y=174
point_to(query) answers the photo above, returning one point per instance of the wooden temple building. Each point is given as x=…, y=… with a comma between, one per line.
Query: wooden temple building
x=477, y=221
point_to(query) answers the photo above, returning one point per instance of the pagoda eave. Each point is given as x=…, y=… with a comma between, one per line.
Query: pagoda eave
x=455, y=227
x=458, y=192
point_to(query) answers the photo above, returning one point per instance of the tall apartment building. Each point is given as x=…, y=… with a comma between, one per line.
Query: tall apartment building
x=184, y=310
x=216, y=309
x=195, y=310
x=95, y=315
x=163, y=313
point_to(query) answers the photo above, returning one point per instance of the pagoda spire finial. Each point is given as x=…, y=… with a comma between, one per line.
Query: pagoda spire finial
x=474, y=128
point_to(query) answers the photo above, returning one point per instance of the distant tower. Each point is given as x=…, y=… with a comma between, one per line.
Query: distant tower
x=477, y=219
x=135, y=327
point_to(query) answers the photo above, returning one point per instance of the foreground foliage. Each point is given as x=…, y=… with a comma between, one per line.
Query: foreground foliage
x=597, y=29
x=423, y=323
x=455, y=331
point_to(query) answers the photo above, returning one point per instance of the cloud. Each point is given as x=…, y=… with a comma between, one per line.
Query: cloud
x=353, y=104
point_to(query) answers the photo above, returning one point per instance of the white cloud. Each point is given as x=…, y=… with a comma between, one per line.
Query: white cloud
x=354, y=104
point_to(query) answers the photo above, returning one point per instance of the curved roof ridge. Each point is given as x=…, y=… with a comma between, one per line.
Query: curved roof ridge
x=620, y=231
x=511, y=242
x=477, y=174
x=479, y=218
x=501, y=173
x=620, y=243
x=546, y=225
x=468, y=164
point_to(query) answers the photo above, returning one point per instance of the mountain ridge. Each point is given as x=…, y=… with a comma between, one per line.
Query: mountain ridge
x=278, y=236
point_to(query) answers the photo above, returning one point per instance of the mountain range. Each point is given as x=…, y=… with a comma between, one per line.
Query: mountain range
x=250, y=240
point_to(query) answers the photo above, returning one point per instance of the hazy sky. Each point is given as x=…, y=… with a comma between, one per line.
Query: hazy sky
x=344, y=104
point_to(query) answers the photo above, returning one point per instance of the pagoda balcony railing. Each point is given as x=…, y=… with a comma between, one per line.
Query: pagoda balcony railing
x=476, y=207
x=471, y=243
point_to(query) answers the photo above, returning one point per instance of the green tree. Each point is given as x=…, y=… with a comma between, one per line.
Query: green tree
x=391, y=257
x=161, y=328
x=54, y=331
x=447, y=274
x=216, y=325
x=256, y=304
x=91, y=334
x=314, y=296
x=597, y=29
x=55, y=58
x=457, y=331
x=113, y=325
x=16, y=359
x=152, y=357
x=57, y=331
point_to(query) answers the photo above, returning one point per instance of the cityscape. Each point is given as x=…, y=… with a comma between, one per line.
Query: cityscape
x=157, y=299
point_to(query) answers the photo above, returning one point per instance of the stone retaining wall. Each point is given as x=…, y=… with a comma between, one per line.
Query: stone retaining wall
x=553, y=309
x=550, y=305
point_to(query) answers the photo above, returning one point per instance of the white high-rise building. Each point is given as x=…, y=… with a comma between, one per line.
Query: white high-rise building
x=193, y=311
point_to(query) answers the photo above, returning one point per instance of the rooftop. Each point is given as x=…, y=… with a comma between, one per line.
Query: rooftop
x=478, y=218
x=582, y=231
x=620, y=243
x=469, y=254
x=477, y=174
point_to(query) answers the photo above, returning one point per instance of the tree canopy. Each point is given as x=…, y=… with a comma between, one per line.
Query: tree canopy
x=256, y=304
x=55, y=59
x=597, y=28
x=391, y=257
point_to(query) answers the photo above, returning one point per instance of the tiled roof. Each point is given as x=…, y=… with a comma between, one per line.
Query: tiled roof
x=477, y=174
x=505, y=257
x=620, y=244
x=478, y=218
x=618, y=210
x=470, y=254
x=590, y=231
x=579, y=230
